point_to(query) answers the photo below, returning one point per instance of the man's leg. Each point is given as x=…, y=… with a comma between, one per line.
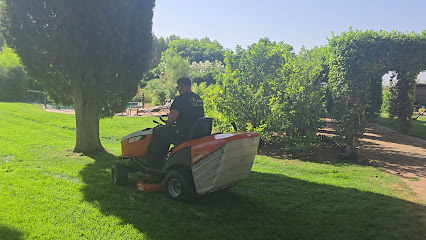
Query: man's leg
x=160, y=144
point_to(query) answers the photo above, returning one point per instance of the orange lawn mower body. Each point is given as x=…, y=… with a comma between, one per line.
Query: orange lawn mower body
x=203, y=164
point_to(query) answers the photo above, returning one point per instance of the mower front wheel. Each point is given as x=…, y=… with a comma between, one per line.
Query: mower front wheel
x=120, y=174
x=179, y=185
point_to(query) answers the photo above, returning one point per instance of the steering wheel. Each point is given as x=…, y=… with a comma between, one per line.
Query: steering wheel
x=162, y=119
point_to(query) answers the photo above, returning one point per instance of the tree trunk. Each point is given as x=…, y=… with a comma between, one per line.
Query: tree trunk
x=350, y=147
x=87, y=121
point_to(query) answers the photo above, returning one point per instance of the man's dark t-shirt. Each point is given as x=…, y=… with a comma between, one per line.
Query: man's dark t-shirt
x=190, y=107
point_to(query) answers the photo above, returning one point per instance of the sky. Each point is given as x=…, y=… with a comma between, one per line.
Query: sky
x=298, y=23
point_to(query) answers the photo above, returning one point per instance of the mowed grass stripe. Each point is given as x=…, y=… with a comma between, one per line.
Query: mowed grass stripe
x=32, y=139
x=25, y=129
x=36, y=113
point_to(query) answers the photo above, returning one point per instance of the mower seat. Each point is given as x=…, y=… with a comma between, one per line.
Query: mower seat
x=201, y=128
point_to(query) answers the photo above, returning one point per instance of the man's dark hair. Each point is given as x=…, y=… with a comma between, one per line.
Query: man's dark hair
x=186, y=81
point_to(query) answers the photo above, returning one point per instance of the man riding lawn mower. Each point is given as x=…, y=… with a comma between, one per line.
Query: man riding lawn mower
x=199, y=162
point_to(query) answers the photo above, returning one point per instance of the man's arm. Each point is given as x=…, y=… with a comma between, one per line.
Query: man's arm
x=173, y=115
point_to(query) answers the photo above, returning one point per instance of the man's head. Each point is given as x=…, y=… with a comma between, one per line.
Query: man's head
x=184, y=85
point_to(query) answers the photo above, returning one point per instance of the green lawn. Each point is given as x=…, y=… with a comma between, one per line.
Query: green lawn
x=48, y=192
x=418, y=127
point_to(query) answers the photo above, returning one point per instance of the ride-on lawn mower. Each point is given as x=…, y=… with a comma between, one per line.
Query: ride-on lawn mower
x=201, y=164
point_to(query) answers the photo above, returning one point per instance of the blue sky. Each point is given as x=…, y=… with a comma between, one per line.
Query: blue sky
x=299, y=23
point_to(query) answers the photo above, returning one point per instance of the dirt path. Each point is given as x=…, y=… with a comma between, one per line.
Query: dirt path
x=398, y=153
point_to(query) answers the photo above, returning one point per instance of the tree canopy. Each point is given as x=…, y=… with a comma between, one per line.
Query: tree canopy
x=195, y=50
x=159, y=45
x=90, y=53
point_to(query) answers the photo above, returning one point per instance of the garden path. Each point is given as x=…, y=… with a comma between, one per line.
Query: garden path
x=397, y=153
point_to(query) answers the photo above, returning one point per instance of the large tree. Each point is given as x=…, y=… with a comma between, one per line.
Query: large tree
x=88, y=53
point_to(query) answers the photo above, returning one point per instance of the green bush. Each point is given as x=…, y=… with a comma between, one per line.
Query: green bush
x=299, y=104
x=13, y=84
x=137, y=98
x=212, y=108
x=147, y=96
x=13, y=79
x=160, y=90
x=199, y=89
x=269, y=90
x=388, y=94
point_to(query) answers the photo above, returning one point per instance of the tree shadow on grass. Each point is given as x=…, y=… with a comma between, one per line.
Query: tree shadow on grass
x=265, y=206
x=9, y=233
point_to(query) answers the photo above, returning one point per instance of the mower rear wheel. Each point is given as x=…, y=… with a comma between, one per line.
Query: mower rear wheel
x=120, y=174
x=179, y=185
